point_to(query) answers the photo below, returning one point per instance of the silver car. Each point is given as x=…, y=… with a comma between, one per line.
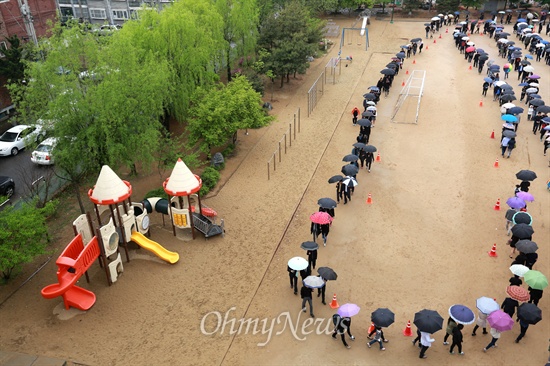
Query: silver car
x=43, y=153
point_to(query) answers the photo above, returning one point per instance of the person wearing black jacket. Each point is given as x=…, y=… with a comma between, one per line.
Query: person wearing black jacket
x=321, y=291
x=325, y=228
x=535, y=294
x=305, y=294
x=515, y=281
x=343, y=325
x=509, y=306
x=457, y=339
x=312, y=258
x=293, y=276
x=531, y=259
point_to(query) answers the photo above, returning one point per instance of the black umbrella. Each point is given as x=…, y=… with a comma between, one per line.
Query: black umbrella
x=526, y=246
x=350, y=169
x=509, y=133
x=507, y=87
x=508, y=97
x=527, y=175
x=504, y=34
x=387, y=72
x=525, y=63
x=522, y=218
x=327, y=273
x=400, y=54
x=515, y=110
x=416, y=40
x=382, y=317
x=543, y=108
x=529, y=313
x=369, y=96
x=537, y=103
x=535, y=96
x=327, y=203
x=427, y=24
x=483, y=58
x=428, y=321
x=370, y=148
x=350, y=158
x=522, y=231
x=359, y=145
x=335, y=178
x=367, y=114
x=309, y=245
x=364, y=122
x=392, y=65
x=508, y=92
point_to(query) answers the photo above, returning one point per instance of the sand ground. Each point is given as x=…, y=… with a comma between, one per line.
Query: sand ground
x=423, y=242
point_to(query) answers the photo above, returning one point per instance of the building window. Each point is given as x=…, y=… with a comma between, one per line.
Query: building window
x=3, y=47
x=98, y=14
x=66, y=12
x=120, y=14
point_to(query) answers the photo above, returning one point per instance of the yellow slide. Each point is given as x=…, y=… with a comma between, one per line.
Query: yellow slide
x=154, y=247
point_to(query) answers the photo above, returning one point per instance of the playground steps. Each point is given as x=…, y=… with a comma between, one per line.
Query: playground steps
x=21, y=359
x=206, y=226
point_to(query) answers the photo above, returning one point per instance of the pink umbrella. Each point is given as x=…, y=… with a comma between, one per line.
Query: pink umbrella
x=500, y=321
x=470, y=49
x=321, y=218
x=526, y=196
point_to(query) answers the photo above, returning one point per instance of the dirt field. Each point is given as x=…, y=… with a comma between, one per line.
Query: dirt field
x=423, y=242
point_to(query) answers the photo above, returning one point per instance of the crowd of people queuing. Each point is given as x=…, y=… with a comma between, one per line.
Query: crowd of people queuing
x=518, y=220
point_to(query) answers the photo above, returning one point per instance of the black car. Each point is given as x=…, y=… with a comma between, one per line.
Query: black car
x=7, y=186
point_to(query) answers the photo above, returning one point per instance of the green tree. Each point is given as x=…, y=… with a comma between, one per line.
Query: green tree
x=103, y=98
x=23, y=236
x=444, y=6
x=220, y=111
x=470, y=4
x=290, y=36
x=240, y=29
x=189, y=36
x=11, y=65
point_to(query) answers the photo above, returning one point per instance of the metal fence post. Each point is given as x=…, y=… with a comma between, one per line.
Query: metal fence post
x=274, y=162
x=279, y=151
x=268, y=171
x=290, y=134
x=285, y=143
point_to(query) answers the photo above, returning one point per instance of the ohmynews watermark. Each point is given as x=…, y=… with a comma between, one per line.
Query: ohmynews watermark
x=219, y=323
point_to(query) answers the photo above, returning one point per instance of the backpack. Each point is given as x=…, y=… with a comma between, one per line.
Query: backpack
x=336, y=319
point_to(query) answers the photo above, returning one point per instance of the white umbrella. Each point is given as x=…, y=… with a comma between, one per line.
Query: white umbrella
x=503, y=40
x=451, y=16
x=435, y=19
x=349, y=180
x=462, y=23
x=522, y=23
x=531, y=90
x=535, y=20
x=371, y=108
x=519, y=269
x=529, y=68
x=465, y=38
x=539, y=45
x=535, y=85
x=314, y=282
x=526, y=30
x=370, y=102
x=499, y=83
x=471, y=43
x=298, y=263
x=508, y=126
x=530, y=15
x=502, y=12
x=508, y=105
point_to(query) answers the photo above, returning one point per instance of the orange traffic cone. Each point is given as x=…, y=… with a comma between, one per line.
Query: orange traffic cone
x=435, y=41
x=470, y=67
x=403, y=83
x=493, y=134
x=469, y=34
x=378, y=158
x=496, y=164
x=439, y=35
x=408, y=331
x=334, y=303
x=497, y=205
x=447, y=30
x=481, y=102
x=414, y=61
x=493, y=252
x=407, y=72
x=369, y=199
x=371, y=328
x=481, y=34
x=427, y=47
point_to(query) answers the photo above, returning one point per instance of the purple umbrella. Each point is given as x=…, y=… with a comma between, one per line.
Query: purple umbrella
x=534, y=76
x=526, y=196
x=348, y=310
x=500, y=321
x=515, y=202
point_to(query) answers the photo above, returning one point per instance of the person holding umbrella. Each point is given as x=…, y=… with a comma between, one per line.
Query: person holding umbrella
x=511, y=146
x=342, y=325
x=293, y=276
x=451, y=324
x=305, y=294
x=509, y=306
x=325, y=229
x=426, y=341
x=534, y=295
x=481, y=322
x=312, y=258
x=527, y=314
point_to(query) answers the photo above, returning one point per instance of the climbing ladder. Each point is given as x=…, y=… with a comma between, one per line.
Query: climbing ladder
x=408, y=104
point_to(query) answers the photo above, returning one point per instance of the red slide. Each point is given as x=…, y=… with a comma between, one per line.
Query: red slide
x=71, y=265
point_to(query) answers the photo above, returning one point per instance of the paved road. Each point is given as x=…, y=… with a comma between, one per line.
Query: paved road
x=23, y=172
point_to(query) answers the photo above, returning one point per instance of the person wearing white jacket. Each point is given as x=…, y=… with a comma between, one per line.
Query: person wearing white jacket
x=496, y=335
x=426, y=341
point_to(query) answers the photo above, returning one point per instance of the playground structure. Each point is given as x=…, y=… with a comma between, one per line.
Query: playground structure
x=188, y=213
x=409, y=99
x=119, y=221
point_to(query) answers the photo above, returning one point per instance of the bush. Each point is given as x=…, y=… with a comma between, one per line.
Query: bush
x=210, y=178
x=228, y=151
x=159, y=192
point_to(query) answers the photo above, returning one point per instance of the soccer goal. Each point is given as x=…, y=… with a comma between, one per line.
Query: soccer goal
x=408, y=104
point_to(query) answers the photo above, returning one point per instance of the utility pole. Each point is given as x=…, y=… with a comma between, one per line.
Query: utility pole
x=28, y=20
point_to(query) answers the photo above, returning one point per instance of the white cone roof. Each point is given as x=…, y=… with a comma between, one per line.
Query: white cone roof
x=109, y=188
x=182, y=181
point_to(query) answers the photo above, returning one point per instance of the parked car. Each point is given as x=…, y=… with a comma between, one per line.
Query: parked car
x=42, y=155
x=18, y=137
x=7, y=186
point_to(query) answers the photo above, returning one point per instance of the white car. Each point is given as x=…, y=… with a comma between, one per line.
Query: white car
x=43, y=153
x=18, y=137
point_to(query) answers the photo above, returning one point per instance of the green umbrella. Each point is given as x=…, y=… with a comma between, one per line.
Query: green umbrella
x=536, y=280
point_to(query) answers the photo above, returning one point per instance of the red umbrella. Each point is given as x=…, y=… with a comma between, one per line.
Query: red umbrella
x=321, y=218
x=518, y=293
x=470, y=49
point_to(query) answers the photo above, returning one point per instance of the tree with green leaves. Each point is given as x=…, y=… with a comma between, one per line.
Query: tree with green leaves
x=102, y=98
x=290, y=36
x=240, y=29
x=470, y=4
x=218, y=112
x=23, y=236
x=449, y=6
x=189, y=36
x=12, y=67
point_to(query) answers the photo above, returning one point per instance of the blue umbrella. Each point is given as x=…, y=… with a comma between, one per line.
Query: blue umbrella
x=522, y=20
x=523, y=84
x=515, y=110
x=457, y=13
x=509, y=118
x=489, y=80
x=461, y=314
x=480, y=50
x=529, y=57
